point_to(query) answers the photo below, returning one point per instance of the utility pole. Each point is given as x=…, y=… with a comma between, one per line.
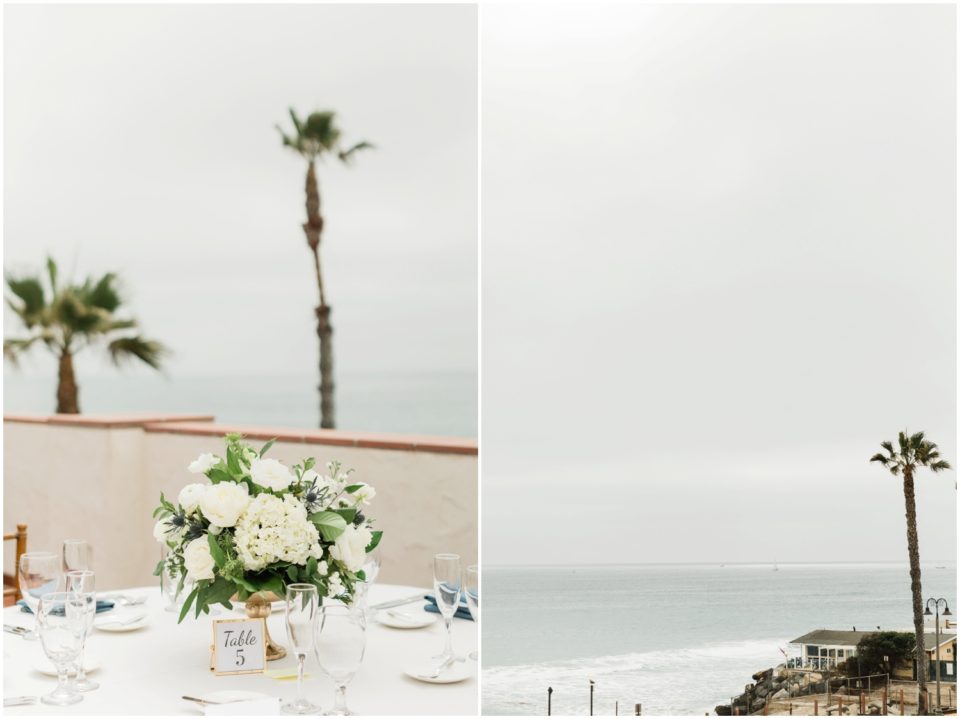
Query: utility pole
x=549, y=698
x=591, y=697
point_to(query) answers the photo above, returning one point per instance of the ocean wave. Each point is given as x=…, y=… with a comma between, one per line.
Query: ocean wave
x=684, y=681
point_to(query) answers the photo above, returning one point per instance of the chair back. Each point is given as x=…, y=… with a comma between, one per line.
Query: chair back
x=11, y=582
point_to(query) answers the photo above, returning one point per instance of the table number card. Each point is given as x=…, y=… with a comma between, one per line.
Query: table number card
x=239, y=646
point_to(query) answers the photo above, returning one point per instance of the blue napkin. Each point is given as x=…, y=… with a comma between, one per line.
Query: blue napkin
x=103, y=605
x=463, y=611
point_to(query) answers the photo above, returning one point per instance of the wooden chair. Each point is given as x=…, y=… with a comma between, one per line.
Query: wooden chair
x=11, y=583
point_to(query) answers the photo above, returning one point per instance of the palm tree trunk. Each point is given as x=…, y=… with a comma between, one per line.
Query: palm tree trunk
x=913, y=548
x=67, y=402
x=312, y=229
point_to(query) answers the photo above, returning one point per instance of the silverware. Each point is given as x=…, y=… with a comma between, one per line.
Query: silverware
x=398, y=602
x=125, y=599
x=18, y=701
x=207, y=701
x=439, y=670
x=15, y=630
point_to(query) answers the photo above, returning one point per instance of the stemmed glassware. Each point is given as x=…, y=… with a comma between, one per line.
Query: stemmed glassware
x=76, y=555
x=446, y=588
x=82, y=584
x=341, y=639
x=472, y=590
x=173, y=594
x=60, y=622
x=301, y=622
x=39, y=574
x=371, y=568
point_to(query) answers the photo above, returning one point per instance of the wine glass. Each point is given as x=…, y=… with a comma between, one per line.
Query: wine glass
x=39, y=574
x=446, y=588
x=472, y=591
x=82, y=583
x=301, y=622
x=60, y=622
x=371, y=568
x=76, y=555
x=339, y=644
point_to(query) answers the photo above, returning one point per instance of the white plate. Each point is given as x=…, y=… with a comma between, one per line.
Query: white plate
x=230, y=695
x=45, y=666
x=457, y=672
x=399, y=619
x=113, y=623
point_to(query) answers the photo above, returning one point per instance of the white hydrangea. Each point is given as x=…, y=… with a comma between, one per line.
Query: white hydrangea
x=334, y=586
x=272, y=529
x=204, y=463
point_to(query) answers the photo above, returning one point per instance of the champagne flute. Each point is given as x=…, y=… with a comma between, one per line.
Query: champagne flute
x=76, y=555
x=60, y=622
x=82, y=583
x=472, y=590
x=39, y=574
x=339, y=645
x=301, y=623
x=446, y=588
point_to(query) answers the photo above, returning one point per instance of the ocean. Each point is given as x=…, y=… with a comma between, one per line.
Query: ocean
x=440, y=403
x=678, y=639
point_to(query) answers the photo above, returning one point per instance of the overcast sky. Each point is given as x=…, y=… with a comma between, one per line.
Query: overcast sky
x=718, y=269
x=141, y=139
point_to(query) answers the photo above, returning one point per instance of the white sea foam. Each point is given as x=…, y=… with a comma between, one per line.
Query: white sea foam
x=681, y=681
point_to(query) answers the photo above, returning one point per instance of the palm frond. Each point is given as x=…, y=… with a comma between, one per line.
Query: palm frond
x=149, y=352
x=77, y=316
x=916, y=440
x=52, y=274
x=13, y=348
x=904, y=442
x=298, y=126
x=888, y=445
x=940, y=465
x=104, y=294
x=881, y=458
x=30, y=292
x=345, y=155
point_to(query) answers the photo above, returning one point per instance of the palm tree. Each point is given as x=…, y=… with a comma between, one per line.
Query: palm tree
x=914, y=451
x=70, y=318
x=312, y=139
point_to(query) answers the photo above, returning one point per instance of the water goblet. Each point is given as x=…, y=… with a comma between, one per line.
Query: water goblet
x=60, y=623
x=170, y=583
x=301, y=620
x=339, y=646
x=371, y=568
x=472, y=591
x=82, y=583
x=38, y=574
x=76, y=555
x=446, y=589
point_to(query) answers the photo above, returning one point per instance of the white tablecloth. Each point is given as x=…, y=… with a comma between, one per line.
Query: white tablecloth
x=147, y=671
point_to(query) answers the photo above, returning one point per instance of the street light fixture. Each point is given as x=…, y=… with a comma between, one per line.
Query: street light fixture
x=591, y=697
x=936, y=613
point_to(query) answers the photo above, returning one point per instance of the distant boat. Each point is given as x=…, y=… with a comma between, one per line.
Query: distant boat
x=775, y=567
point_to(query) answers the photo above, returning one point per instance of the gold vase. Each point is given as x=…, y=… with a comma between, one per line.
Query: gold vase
x=258, y=607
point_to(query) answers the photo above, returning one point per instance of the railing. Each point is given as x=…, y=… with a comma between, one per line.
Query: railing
x=99, y=478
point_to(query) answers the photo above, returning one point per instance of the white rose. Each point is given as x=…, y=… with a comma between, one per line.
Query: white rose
x=160, y=531
x=350, y=548
x=223, y=503
x=204, y=463
x=271, y=474
x=190, y=496
x=198, y=560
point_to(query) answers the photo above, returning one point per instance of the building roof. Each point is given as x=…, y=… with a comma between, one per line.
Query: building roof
x=833, y=637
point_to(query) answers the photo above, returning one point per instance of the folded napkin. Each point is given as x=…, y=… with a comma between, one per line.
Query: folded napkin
x=103, y=605
x=463, y=611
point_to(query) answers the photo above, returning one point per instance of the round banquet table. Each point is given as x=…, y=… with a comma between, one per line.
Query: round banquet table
x=146, y=671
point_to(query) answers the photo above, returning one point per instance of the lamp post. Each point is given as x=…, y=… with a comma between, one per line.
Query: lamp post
x=549, y=698
x=936, y=614
x=591, y=697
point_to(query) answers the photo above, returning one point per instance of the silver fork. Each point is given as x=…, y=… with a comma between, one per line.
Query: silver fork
x=120, y=622
x=19, y=701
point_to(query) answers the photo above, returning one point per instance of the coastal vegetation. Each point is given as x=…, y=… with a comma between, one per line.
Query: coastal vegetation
x=66, y=318
x=881, y=653
x=315, y=138
x=913, y=452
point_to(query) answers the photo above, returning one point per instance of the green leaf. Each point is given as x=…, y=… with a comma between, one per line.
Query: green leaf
x=268, y=445
x=233, y=463
x=159, y=570
x=374, y=540
x=348, y=514
x=187, y=603
x=219, y=557
x=218, y=475
x=361, y=575
x=292, y=573
x=352, y=488
x=311, y=567
x=275, y=584
x=329, y=524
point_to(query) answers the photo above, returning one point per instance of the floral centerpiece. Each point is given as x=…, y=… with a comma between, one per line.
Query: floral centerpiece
x=258, y=525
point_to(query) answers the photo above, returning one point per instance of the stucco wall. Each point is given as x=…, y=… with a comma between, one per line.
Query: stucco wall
x=100, y=482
